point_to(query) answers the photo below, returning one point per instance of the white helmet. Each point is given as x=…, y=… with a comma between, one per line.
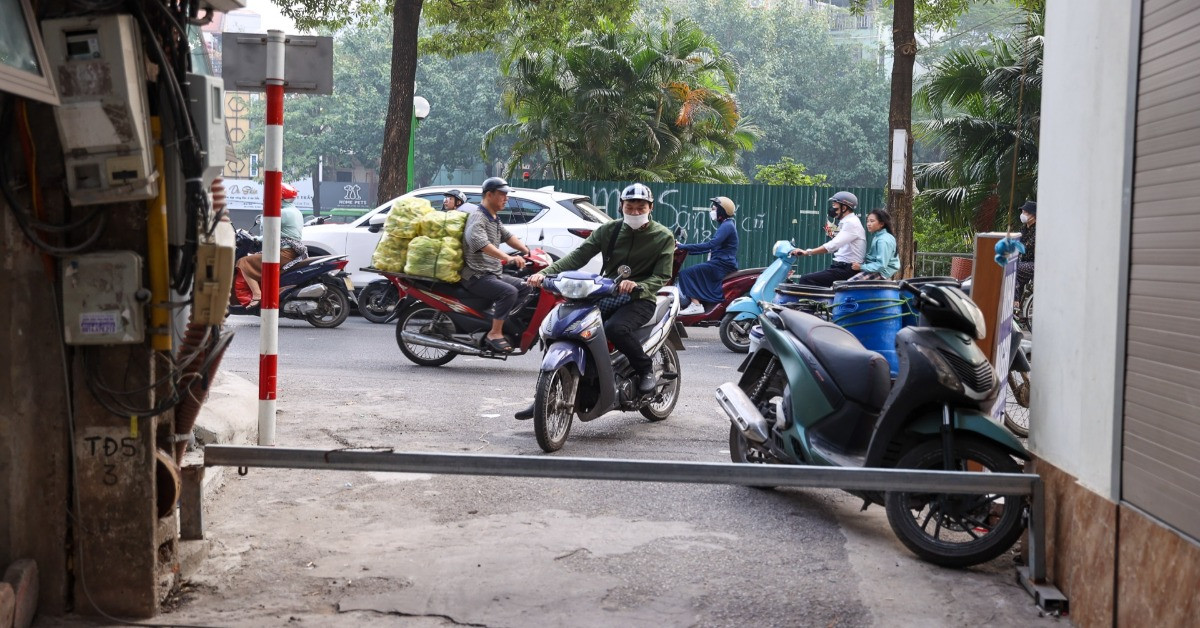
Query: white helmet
x=637, y=192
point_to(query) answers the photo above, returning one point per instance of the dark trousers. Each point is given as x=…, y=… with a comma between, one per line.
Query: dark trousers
x=838, y=271
x=620, y=325
x=504, y=291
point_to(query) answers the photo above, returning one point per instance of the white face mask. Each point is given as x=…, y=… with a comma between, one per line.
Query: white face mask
x=637, y=221
x=1024, y=218
x=712, y=215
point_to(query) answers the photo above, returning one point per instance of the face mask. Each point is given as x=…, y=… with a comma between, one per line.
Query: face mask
x=832, y=212
x=638, y=221
x=712, y=215
x=1024, y=218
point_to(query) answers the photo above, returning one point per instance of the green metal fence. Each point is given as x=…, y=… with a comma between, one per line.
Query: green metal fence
x=766, y=213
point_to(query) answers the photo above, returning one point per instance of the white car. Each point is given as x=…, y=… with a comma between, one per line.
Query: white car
x=555, y=221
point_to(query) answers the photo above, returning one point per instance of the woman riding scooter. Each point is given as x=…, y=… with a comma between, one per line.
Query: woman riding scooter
x=702, y=283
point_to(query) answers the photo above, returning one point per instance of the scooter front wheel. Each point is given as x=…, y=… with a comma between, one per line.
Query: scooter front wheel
x=957, y=530
x=378, y=301
x=735, y=334
x=554, y=408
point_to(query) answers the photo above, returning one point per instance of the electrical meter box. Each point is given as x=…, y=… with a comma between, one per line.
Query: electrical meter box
x=103, y=298
x=214, y=275
x=206, y=101
x=100, y=70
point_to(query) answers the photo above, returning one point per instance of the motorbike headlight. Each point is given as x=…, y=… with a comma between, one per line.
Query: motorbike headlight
x=575, y=288
x=945, y=374
x=587, y=326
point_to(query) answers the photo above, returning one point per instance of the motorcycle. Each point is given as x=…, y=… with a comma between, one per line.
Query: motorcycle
x=812, y=395
x=445, y=321
x=733, y=286
x=582, y=376
x=381, y=301
x=314, y=289
x=742, y=312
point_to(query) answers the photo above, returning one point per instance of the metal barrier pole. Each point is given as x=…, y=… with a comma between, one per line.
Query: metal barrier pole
x=268, y=347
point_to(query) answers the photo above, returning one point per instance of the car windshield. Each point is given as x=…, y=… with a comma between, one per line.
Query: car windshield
x=585, y=209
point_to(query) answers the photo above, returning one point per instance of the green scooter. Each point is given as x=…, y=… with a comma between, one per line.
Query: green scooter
x=812, y=395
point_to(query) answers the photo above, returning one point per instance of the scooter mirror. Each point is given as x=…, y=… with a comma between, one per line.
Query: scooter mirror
x=624, y=271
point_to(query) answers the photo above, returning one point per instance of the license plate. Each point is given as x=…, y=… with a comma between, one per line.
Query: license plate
x=349, y=284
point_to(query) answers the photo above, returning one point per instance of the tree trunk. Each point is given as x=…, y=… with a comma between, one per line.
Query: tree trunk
x=393, y=163
x=900, y=202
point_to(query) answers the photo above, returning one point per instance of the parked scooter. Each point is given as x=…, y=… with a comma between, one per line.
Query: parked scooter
x=581, y=376
x=812, y=395
x=314, y=289
x=734, y=286
x=742, y=313
x=445, y=320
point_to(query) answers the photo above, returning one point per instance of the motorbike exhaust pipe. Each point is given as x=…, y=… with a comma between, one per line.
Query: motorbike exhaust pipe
x=741, y=411
x=437, y=343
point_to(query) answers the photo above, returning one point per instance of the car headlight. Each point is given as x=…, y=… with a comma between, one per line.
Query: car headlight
x=575, y=288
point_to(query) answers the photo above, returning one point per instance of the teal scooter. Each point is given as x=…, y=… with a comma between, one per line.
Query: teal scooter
x=812, y=395
x=742, y=313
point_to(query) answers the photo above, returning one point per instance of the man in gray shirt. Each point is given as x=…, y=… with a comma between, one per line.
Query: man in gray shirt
x=483, y=261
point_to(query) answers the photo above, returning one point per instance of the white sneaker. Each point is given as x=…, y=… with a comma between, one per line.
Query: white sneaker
x=694, y=308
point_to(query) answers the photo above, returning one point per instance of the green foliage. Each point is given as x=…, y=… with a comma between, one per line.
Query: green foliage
x=980, y=108
x=346, y=128
x=934, y=236
x=620, y=103
x=461, y=26
x=812, y=96
x=788, y=172
x=944, y=14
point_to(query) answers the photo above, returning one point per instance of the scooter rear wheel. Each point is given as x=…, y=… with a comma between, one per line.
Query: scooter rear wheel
x=332, y=309
x=420, y=318
x=1016, y=407
x=552, y=414
x=666, y=360
x=735, y=334
x=957, y=530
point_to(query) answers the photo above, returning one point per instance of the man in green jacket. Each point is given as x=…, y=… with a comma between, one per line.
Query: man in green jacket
x=648, y=249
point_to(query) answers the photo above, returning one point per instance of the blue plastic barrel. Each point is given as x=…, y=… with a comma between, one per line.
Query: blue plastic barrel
x=873, y=312
x=910, y=313
x=811, y=299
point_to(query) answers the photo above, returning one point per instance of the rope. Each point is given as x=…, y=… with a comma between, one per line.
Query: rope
x=1012, y=184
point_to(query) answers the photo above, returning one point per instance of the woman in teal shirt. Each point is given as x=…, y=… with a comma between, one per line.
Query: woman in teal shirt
x=881, y=261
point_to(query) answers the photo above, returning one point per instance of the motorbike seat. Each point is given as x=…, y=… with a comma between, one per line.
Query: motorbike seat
x=303, y=262
x=861, y=374
x=743, y=272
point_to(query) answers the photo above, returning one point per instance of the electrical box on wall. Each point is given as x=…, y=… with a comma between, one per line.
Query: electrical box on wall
x=100, y=70
x=214, y=275
x=104, y=299
x=206, y=102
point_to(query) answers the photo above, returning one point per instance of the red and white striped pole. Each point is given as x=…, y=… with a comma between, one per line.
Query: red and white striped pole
x=268, y=345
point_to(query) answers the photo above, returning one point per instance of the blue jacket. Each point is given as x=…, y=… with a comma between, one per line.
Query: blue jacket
x=723, y=246
x=881, y=257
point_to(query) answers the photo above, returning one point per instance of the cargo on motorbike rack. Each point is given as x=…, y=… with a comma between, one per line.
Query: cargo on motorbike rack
x=1032, y=576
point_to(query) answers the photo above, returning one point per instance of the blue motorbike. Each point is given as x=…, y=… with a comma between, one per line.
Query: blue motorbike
x=581, y=375
x=742, y=314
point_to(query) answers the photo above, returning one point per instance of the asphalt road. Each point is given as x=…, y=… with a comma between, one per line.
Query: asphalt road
x=300, y=547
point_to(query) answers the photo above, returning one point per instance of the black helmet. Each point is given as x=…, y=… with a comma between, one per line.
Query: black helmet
x=845, y=198
x=496, y=183
x=462, y=198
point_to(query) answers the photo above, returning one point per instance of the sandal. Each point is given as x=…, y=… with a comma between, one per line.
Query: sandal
x=251, y=304
x=500, y=345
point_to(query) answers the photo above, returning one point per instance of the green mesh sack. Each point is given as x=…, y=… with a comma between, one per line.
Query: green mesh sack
x=435, y=258
x=403, y=220
x=446, y=224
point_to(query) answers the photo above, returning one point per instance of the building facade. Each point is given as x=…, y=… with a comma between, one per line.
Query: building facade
x=1116, y=405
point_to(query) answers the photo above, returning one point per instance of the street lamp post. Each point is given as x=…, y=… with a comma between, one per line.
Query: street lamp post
x=420, y=112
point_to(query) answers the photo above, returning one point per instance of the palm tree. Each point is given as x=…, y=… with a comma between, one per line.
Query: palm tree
x=620, y=104
x=983, y=106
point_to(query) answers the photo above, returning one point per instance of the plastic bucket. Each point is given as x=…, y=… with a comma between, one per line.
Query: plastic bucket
x=873, y=312
x=810, y=299
x=756, y=338
x=910, y=313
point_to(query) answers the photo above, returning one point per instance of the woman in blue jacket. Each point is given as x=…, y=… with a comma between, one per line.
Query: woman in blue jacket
x=882, y=260
x=702, y=283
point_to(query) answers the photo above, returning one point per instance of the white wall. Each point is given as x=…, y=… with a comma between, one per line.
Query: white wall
x=1082, y=195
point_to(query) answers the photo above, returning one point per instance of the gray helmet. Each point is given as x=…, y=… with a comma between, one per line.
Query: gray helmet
x=845, y=198
x=496, y=183
x=462, y=198
x=637, y=192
